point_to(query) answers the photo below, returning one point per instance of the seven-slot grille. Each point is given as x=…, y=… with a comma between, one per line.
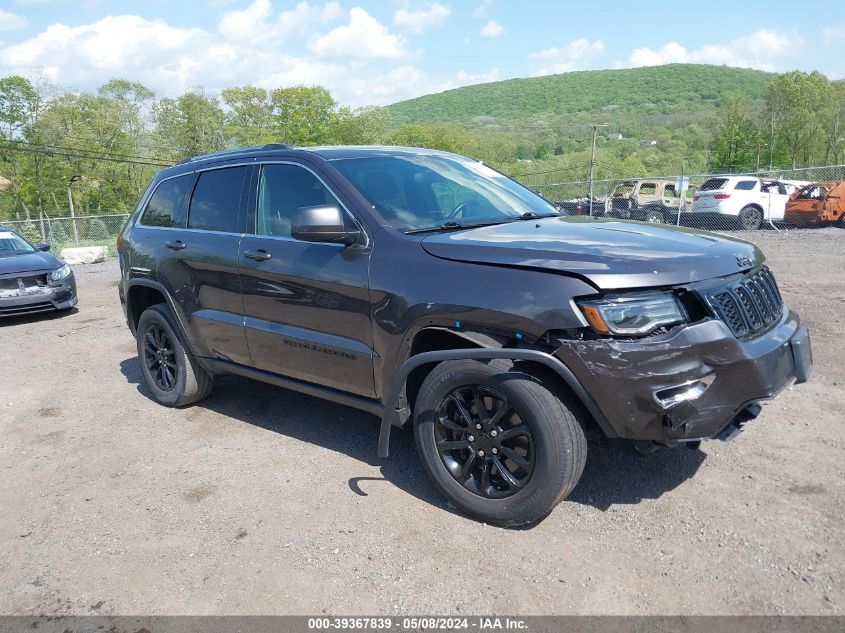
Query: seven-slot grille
x=750, y=305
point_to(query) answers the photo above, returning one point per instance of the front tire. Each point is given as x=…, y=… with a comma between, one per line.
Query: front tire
x=171, y=373
x=750, y=218
x=497, y=442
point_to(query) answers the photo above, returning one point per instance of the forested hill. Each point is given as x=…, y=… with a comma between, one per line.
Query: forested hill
x=656, y=90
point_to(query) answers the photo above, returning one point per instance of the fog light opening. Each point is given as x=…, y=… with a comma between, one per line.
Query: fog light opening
x=672, y=396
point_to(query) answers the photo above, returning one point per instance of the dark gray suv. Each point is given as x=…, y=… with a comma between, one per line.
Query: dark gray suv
x=434, y=292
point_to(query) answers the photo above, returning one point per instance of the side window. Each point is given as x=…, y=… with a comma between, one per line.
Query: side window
x=166, y=206
x=216, y=200
x=648, y=189
x=282, y=191
x=669, y=191
x=746, y=185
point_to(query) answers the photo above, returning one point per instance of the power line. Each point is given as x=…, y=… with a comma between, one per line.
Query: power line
x=49, y=152
x=77, y=150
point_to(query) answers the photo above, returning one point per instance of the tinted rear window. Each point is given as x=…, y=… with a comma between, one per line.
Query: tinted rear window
x=713, y=183
x=167, y=204
x=746, y=185
x=216, y=200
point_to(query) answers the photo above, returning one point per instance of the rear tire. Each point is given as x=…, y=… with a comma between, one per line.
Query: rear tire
x=171, y=373
x=655, y=216
x=750, y=218
x=537, y=438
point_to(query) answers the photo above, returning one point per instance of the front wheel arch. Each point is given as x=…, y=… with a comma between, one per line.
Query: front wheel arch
x=390, y=416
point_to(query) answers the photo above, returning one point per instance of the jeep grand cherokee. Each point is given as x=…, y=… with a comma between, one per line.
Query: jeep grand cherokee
x=434, y=292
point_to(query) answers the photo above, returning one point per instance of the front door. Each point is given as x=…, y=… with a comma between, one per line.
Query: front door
x=306, y=305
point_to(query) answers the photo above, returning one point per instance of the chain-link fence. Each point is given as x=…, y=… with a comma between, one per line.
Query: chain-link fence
x=778, y=199
x=87, y=230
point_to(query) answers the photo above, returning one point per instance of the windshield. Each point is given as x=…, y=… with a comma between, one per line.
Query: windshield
x=13, y=244
x=417, y=192
x=623, y=189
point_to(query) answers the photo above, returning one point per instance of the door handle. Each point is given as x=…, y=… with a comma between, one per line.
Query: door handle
x=260, y=255
x=178, y=245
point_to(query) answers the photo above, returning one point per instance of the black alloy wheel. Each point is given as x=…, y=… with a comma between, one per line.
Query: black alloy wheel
x=483, y=442
x=160, y=357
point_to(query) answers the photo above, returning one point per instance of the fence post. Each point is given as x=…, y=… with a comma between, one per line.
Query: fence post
x=72, y=215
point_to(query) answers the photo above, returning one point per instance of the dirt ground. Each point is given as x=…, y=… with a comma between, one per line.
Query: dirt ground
x=264, y=501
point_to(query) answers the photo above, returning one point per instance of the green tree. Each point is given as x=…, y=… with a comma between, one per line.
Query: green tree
x=304, y=115
x=793, y=101
x=249, y=117
x=189, y=125
x=364, y=126
x=734, y=140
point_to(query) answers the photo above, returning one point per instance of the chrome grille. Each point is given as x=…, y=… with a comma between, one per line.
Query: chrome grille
x=749, y=305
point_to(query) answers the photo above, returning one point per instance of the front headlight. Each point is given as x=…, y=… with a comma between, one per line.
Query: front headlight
x=633, y=315
x=60, y=273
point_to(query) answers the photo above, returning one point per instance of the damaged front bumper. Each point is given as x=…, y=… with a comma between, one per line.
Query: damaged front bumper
x=32, y=300
x=693, y=383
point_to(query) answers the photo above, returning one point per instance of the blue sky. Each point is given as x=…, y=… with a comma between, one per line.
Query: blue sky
x=377, y=52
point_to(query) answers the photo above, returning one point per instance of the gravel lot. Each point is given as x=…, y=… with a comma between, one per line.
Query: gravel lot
x=263, y=501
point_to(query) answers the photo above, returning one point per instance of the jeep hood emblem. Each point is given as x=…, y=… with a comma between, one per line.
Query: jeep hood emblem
x=742, y=261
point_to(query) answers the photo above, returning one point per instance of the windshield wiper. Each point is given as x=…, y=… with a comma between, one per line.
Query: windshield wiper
x=530, y=215
x=451, y=225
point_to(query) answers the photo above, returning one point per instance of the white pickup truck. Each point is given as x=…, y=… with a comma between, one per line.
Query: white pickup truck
x=745, y=200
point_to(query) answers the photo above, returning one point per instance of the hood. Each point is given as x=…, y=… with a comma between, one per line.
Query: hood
x=610, y=254
x=29, y=262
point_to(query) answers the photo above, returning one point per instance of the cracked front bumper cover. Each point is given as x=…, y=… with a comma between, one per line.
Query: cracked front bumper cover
x=624, y=376
x=61, y=296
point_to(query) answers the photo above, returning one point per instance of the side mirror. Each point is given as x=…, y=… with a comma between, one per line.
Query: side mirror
x=322, y=224
x=43, y=247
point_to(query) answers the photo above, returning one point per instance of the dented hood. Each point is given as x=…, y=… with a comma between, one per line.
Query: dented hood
x=28, y=262
x=610, y=254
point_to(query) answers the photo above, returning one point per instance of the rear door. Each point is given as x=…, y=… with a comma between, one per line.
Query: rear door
x=200, y=265
x=307, y=305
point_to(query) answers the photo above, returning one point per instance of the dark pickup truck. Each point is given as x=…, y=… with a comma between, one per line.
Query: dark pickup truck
x=436, y=293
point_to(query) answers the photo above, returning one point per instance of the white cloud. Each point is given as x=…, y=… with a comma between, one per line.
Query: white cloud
x=417, y=22
x=481, y=9
x=247, y=23
x=363, y=37
x=756, y=50
x=256, y=21
x=492, y=29
x=464, y=78
x=11, y=21
x=349, y=60
x=833, y=34
x=128, y=44
x=406, y=82
x=576, y=55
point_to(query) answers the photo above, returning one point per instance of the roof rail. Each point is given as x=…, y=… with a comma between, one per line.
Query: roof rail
x=233, y=152
x=277, y=146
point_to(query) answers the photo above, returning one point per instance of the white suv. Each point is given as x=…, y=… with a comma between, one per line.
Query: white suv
x=746, y=200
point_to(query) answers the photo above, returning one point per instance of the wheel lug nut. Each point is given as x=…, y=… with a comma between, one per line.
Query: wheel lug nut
x=493, y=433
x=478, y=426
x=495, y=451
x=481, y=453
x=471, y=438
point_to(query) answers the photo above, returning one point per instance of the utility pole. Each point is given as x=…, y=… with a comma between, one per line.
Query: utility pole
x=596, y=126
x=772, y=143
